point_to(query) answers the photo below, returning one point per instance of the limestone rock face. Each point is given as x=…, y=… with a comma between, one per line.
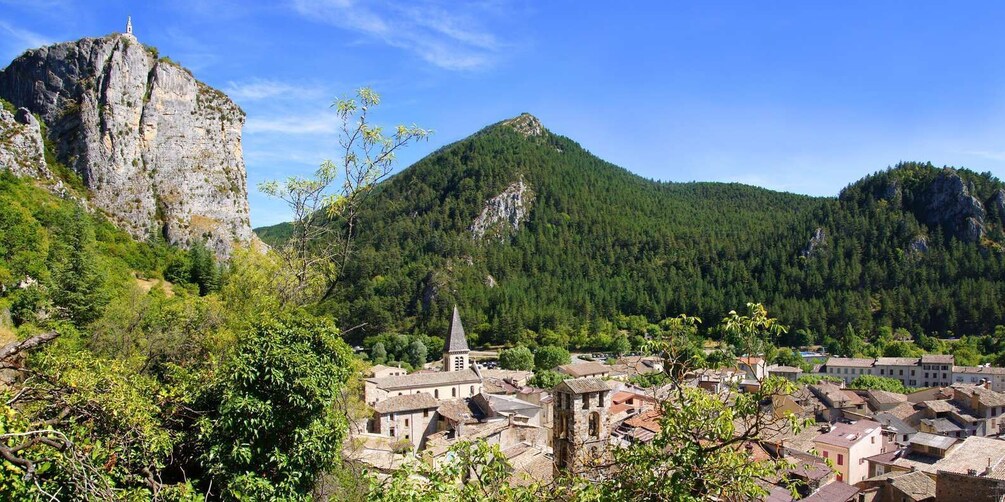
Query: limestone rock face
x=951, y=204
x=918, y=245
x=526, y=124
x=502, y=214
x=21, y=148
x=996, y=206
x=159, y=151
x=817, y=240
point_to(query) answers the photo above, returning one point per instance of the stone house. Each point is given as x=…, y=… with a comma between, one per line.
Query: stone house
x=581, y=428
x=410, y=417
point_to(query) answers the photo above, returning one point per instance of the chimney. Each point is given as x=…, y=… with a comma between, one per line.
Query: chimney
x=987, y=383
x=987, y=472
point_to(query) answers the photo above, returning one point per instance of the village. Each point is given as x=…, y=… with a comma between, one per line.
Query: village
x=941, y=442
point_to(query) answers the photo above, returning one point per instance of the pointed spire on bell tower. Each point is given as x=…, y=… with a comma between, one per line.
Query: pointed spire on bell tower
x=129, y=25
x=455, y=350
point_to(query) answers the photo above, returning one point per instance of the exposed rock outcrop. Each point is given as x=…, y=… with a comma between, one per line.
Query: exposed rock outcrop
x=918, y=245
x=950, y=203
x=502, y=214
x=526, y=124
x=159, y=151
x=996, y=206
x=817, y=240
x=21, y=148
x=893, y=193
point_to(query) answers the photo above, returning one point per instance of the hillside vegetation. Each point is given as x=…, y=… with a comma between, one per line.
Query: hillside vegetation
x=599, y=249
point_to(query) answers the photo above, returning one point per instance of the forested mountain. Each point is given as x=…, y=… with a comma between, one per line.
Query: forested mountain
x=525, y=229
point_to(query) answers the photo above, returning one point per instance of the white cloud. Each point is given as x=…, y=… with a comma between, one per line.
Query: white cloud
x=293, y=124
x=448, y=37
x=18, y=40
x=258, y=89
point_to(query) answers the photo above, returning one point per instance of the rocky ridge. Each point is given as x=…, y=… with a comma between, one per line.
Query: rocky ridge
x=950, y=203
x=159, y=151
x=22, y=150
x=501, y=216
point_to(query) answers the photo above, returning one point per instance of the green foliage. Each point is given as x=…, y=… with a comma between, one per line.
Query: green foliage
x=378, y=355
x=642, y=248
x=621, y=345
x=416, y=354
x=473, y=471
x=878, y=383
x=80, y=290
x=651, y=380
x=699, y=452
x=517, y=358
x=398, y=347
x=204, y=271
x=549, y=357
x=121, y=431
x=546, y=379
x=275, y=428
x=76, y=260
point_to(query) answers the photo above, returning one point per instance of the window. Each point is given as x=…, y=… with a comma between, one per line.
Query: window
x=436, y=393
x=425, y=413
x=472, y=390
x=586, y=401
x=594, y=424
x=873, y=440
x=840, y=459
x=453, y=392
x=901, y=372
x=826, y=454
x=406, y=422
x=882, y=372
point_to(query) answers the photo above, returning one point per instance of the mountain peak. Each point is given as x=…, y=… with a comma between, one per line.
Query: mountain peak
x=526, y=124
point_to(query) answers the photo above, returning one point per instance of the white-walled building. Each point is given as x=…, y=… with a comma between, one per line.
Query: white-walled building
x=937, y=370
x=975, y=375
x=932, y=370
x=848, y=368
x=904, y=369
x=848, y=446
x=459, y=379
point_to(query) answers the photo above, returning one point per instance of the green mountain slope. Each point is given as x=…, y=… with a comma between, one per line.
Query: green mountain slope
x=595, y=243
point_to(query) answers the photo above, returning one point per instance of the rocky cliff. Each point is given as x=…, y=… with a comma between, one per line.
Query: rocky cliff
x=950, y=202
x=21, y=148
x=501, y=216
x=159, y=151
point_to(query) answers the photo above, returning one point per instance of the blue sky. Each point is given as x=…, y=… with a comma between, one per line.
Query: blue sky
x=794, y=96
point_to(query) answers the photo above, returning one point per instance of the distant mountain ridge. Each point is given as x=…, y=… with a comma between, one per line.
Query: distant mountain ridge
x=527, y=230
x=159, y=151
